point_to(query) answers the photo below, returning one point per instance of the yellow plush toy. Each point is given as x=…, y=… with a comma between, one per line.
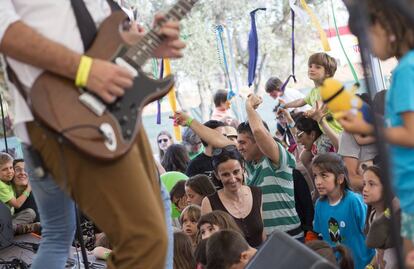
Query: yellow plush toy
x=339, y=100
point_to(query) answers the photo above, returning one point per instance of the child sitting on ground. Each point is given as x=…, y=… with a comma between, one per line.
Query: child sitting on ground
x=23, y=220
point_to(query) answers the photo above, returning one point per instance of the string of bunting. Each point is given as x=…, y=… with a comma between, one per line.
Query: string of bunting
x=219, y=30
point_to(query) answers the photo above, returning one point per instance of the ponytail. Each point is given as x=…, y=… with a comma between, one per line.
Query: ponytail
x=346, y=261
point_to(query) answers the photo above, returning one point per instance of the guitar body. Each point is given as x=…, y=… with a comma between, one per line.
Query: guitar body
x=55, y=102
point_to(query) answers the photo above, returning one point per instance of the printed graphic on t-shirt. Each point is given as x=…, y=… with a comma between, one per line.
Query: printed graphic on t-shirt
x=334, y=231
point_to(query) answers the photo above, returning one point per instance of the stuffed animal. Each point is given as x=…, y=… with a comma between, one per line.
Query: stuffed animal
x=339, y=100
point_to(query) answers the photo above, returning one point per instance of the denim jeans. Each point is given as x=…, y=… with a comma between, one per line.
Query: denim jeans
x=57, y=216
x=167, y=206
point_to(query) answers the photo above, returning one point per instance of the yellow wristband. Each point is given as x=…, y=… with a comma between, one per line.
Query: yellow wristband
x=84, y=68
x=188, y=122
x=26, y=193
x=369, y=266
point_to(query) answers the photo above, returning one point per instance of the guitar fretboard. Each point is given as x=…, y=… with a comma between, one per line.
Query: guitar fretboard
x=142, y=51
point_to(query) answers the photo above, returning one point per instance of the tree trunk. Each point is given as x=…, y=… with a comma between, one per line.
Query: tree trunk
x=258, y=78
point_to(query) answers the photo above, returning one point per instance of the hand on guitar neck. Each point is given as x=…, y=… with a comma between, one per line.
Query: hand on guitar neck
x=104, y=118
x=109, y=80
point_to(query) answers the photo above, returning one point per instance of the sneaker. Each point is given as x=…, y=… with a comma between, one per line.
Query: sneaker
x=28, y=228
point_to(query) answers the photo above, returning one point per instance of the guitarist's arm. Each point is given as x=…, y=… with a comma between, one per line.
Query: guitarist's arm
x=106, y=79
x=23, y=43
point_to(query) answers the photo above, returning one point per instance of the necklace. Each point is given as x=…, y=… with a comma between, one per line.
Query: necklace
x=239, y=206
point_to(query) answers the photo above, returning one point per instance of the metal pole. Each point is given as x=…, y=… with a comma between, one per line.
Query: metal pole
x=358, y=14
x=4, y=124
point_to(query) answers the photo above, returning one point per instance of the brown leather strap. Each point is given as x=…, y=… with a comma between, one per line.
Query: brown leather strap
x=15, y=80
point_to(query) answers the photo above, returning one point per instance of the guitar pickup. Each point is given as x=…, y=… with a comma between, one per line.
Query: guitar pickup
x=93, y=103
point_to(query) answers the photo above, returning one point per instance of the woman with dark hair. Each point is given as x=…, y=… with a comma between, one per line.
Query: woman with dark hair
x=164, y=141
x=176, y=158
x=242, y=202
x=310, y=135
x=197, y=187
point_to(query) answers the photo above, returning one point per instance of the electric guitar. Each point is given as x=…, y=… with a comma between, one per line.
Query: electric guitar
x=104, y=131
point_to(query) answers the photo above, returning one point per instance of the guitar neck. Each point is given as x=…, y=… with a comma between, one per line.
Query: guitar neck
x=142, y=51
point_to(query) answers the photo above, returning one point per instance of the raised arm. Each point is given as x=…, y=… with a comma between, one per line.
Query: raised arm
x=319, y=115
x=17, y=202
x=296, y=103
x=209, y=135
x=262, y=136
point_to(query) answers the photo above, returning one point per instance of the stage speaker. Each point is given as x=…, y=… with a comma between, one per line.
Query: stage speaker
x=6, y=228
x=280, y=251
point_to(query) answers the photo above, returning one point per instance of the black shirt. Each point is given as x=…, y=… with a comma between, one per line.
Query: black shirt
x=202, y=165
x=29, y=203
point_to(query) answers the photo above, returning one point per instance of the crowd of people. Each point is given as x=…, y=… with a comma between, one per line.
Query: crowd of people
x=229, y=185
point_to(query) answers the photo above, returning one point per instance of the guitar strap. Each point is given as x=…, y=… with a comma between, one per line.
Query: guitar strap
x=86, y=25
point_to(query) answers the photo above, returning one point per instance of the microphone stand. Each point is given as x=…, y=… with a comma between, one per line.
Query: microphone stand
x=358, y=14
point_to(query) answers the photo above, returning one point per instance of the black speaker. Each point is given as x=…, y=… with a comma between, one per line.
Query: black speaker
x=280, y=251
x=6, y=228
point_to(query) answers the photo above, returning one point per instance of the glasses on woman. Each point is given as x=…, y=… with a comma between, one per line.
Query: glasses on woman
x=162, y=140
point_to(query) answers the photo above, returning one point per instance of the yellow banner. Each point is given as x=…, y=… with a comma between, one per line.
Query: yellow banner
x=172, y=100
x=316, y=23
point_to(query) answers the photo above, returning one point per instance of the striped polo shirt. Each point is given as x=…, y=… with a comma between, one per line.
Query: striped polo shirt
x=276, y=183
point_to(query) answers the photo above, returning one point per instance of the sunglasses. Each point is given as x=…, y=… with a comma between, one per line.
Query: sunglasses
x=163, y=140
x=299, y=135
x=228, y=148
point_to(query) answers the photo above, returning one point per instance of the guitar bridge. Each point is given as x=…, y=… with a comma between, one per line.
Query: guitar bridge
x=93, y=103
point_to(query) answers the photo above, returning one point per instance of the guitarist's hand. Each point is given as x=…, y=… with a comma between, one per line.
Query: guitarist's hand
x=172, y=45
x=108, y=80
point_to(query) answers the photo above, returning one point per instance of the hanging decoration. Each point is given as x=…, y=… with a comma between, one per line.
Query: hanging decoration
x=172, y=99
x=292, y=75
x=222, y=53
x=351, y=66
x=233, y=93
x=253, y=45
x=316, y=23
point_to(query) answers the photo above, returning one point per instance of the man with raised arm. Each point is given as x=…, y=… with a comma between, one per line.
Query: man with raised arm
x=269, y=166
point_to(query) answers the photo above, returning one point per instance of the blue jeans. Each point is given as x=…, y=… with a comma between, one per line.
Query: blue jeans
x=57, y=216
x=165, y=196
